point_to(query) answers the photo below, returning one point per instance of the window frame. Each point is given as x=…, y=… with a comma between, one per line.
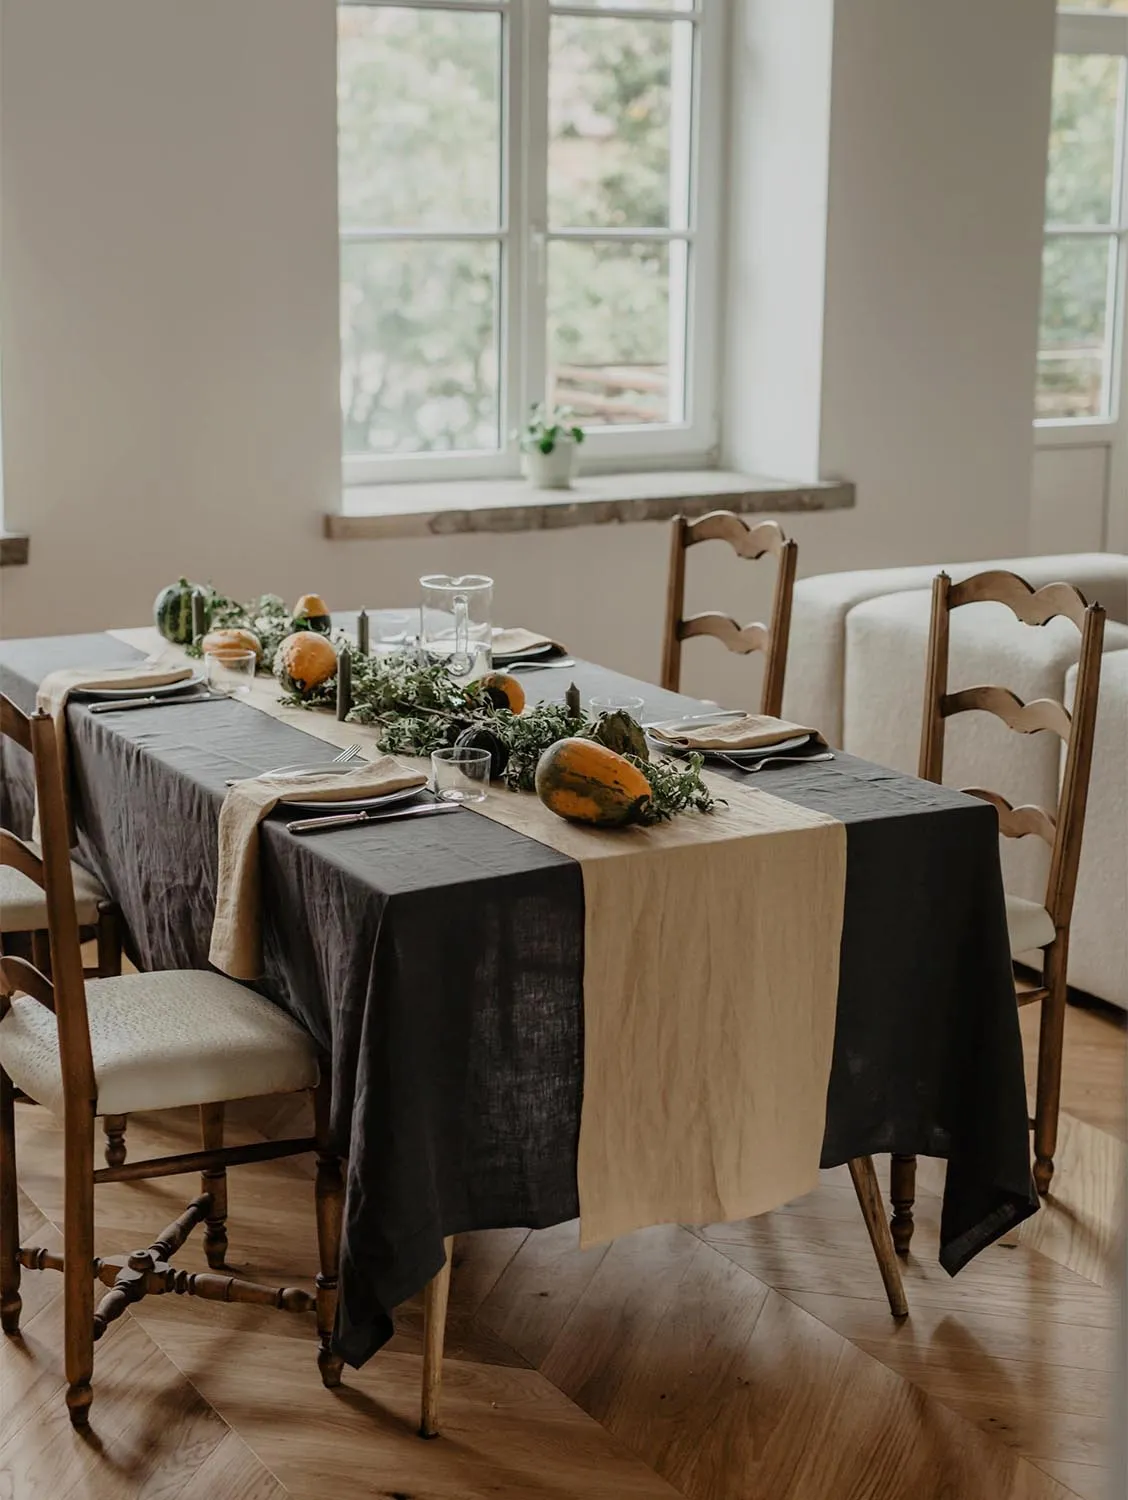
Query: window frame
x=1088, y=33
x=523, y=237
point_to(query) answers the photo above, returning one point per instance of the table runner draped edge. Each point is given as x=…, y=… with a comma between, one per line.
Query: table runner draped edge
x=758, y=891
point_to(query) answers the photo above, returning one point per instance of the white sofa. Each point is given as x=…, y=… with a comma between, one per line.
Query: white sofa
x=856, y=669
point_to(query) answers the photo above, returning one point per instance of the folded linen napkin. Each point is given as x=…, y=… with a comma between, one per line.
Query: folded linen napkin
x=154, y=671
x=749, y=732
x=236, y=941
x=514, y=643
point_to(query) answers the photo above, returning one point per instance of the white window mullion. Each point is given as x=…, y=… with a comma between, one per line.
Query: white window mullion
x=536, y=22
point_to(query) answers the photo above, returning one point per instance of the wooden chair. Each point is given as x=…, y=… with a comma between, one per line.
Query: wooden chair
x=146, y=1042
x=23, y=912
x=1030, y=926
x=747, y=541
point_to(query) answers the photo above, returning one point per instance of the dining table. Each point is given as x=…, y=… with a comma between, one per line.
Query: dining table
x=439, y=964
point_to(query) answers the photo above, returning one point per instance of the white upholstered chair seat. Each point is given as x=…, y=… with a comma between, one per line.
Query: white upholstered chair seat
x=1029, y=925
x=23, y=907
x=163, y=1040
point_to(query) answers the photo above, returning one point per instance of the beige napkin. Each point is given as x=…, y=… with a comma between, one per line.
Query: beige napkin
x=56, y=688
x=749, y=732
x=236, y=942
x=518, y=642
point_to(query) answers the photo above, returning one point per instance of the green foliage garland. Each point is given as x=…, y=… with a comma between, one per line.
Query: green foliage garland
x=419, y=707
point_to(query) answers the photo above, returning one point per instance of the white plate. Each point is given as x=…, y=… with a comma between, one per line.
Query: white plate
x=360, y=804
x=502, y=658
x=166, y=690
x=780, y=748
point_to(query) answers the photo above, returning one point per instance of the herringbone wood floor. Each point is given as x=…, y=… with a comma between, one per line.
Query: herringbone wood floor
x=754, y=1361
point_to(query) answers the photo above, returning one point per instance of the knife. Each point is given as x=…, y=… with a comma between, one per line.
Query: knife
x=716, y=717
x=343, y=820
x=122, y=705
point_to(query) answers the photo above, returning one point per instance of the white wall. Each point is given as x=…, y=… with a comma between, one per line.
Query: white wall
x=169, y=309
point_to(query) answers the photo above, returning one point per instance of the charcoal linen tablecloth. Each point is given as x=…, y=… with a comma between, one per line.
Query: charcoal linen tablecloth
x=439, y=962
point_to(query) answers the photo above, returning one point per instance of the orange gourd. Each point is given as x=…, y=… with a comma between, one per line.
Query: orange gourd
x=304, y=661
x=587, y=783
x=231, y=640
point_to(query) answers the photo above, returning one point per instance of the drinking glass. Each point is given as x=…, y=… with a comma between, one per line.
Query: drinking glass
x=456, y=625
x=616, y=703
x=461, y=774
x=392, y=632
x=230, y=672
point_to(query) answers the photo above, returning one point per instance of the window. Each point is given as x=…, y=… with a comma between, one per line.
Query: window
x=526, y=213
x=1085, y=259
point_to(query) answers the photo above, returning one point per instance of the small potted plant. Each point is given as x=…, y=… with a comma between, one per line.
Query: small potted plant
x=549, y=446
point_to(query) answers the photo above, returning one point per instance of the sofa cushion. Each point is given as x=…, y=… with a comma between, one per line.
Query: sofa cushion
x=814, y=689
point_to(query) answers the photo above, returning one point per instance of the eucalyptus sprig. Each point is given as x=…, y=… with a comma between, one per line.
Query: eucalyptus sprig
x=675, y=787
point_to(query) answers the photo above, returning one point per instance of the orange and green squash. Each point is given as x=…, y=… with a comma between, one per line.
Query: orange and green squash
x=504, y=691
x=586, y=783
x=304, y=661
x=312, y=613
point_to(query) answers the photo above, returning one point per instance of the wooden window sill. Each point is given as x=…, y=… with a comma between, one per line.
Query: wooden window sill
x=14, y=548
x=503, y=505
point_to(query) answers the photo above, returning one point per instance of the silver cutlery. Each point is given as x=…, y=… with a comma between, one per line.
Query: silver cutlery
x=342, y=763
x=345, y=820
x=125, y=705
x=537, y=666
x=750, y=767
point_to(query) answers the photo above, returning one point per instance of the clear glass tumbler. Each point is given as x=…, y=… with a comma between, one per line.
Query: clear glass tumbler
x=461, y=774
x=230, y=672
x=616, y=703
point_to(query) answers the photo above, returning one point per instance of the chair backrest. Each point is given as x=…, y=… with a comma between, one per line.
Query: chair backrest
x=1061, y=827
x=750, y=541
x=65, y=991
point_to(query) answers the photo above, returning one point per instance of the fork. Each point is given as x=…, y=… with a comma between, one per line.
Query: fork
x=750, y=768
x=338, y=760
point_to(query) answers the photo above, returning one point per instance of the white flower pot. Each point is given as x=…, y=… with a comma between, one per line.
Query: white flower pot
x=551, y=471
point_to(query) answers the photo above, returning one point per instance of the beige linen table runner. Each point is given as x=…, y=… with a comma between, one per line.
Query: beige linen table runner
x=236, y=942
x=749, y=732
x=710, y=986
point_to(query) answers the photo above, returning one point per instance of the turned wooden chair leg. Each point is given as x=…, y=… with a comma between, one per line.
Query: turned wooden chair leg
x=1051, y=1039
x=108, y=934
x=902, y=1194
x=866, y=1185
x=10, y=1301
x=78, y=1267
x=330, y=1204
x=214, y=1182
x=435, y=1297
x=113, y=1127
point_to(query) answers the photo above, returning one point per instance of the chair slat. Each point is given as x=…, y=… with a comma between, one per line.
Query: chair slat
x=14, y=723
x=18, y=977
x=1032, y=606
x=1025, y=718
x=1017, y=822
x=746, y=541
x=17, y=856
x=739, y=638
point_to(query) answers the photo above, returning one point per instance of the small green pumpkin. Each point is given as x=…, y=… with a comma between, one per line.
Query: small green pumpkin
x=172, y=611
x=619, y=732
x=478, y=737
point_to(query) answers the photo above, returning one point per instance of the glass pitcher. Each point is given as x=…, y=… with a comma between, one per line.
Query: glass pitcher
x=457, y=625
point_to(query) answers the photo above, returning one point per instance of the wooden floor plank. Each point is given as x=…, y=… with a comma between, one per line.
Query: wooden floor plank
x=752, y=1361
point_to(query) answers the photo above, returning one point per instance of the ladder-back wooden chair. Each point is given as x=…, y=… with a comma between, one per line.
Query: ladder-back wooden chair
x=749, y=541
x=147, y=1042
x=23, y=913
x=1030, y=926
